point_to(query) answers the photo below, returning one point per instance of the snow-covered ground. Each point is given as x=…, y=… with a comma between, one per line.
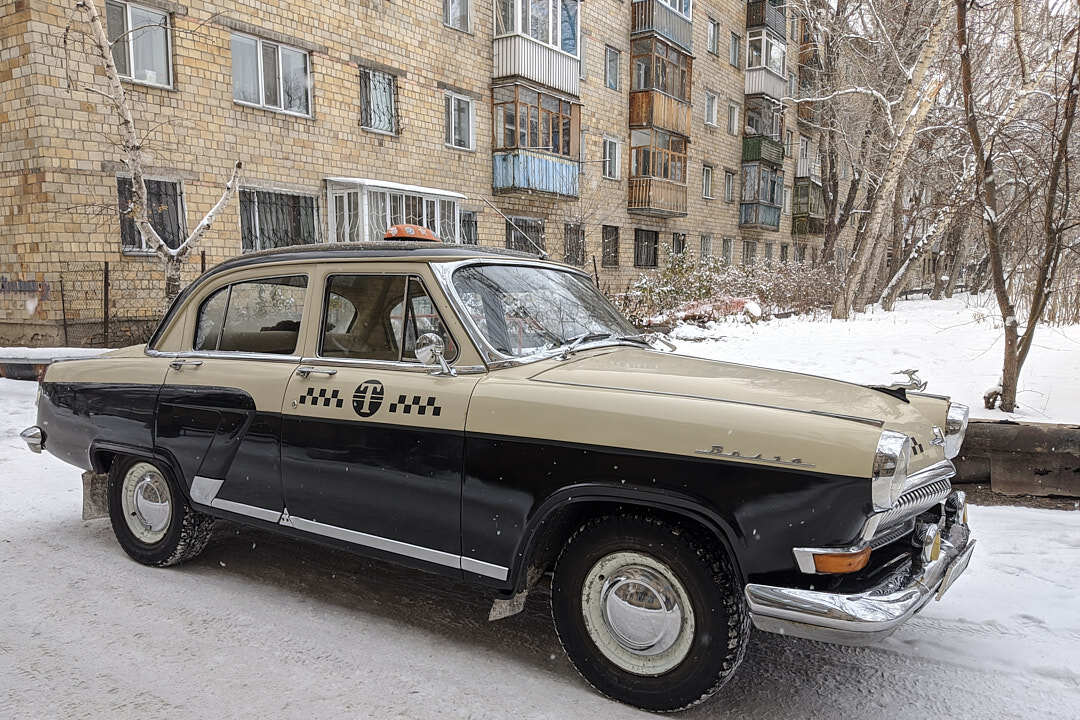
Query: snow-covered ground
x=47, y=353
x=956, y=345
x=262, y=626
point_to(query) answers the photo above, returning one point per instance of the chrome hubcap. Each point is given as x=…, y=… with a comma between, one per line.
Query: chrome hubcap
x=637, y=613
x=147, y=503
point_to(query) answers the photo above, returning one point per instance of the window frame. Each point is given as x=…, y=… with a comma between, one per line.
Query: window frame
x=571, y=229
x=609, y=53
x=554, y=26
x=707, y=181
x=712, y=36
x=261, y=105
x=735, y=50
x=274, y=191
x=129, y=36
x=569, y=122
x=641, y=258
x=144, y=251
x=677, y=64
x=768, y=40
x=365, y=111
x=245, y=354
x=727, y=250
x=734, y=115
x=729, y=186
x=468, y=16
x=712, y=108
x=662, y=162
x=609, y=246
x=607, y=160
x=450, y=97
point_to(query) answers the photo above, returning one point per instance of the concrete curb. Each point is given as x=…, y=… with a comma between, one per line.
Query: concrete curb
x=1021, y=458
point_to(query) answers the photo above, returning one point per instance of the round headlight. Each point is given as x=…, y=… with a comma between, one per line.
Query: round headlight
x=956, y=424
x=890, y=468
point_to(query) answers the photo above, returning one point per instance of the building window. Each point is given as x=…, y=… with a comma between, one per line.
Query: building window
x=378, y=101
x=658, y=66
x=270, y=75
x=763, y=50
x=610, y=246
x=735, y=50
x=706, y=181
x=764, y=117
x=734, y=110
x=768, y=252
x=787, y=199
x=749, y=252
x=762, y=184
x=646, y=246
x=706, y=245
x=683, y=7
x=611, y=164
x=714, y=37
x=792, y=86
x=551, y=22
x=788, y=143
x=800, y=252
x=678, y=243
x=525, y=234
x=527, y=119
x=164, y=208
x=574, y=244
x=467, y=223
x=456, y=14
x=273, y=219
x=141, y=40
x=711, y=111
x=727, y=249
x=729, y=186
x=612, y=58
x=793, y=31
x=659, y=154
x=783, y=252
x=458, y=113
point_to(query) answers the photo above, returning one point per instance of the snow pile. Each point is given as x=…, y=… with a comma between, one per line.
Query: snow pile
x=48, y=353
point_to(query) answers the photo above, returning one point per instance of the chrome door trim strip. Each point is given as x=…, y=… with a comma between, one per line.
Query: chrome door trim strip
x=390, y=365
x=204, y=489
x=249, y=510
x=224, y=355
x=379, y=543
x=484, y=568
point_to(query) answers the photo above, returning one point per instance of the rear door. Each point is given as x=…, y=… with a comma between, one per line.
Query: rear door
x=219, y=411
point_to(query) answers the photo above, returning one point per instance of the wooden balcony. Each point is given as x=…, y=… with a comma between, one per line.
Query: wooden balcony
x=534, y=172
x=807, y=225
x=656, y=197
x=521, y=56
x=759, y=215
x=808, y=112
x=655, y=16
x=762, y=148
x=763, y=81
x=763, y=13
x=652, y=108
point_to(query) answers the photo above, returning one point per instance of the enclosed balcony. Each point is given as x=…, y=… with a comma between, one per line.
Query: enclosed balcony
x=656, y=197
x=762, y=196
x=667, y=18
x=761, y=148
x=761, y=216
x=767, y=13
x=652, y=108
x=763, y=81
x=807, y=225
x=534, y=172
x=539, y=41
x=808, y=208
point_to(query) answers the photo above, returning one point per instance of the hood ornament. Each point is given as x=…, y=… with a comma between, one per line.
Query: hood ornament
x=913, y=381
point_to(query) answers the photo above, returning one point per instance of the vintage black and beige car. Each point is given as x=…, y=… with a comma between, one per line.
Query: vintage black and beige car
x=490, y=416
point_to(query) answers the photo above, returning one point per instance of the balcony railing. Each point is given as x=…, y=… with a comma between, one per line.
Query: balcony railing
x=532, y=171
x=763, y=81
x=759, y=215
x=655, y=16
x=656, y=197
x=807, y=225
x=808, y=168
x=764, y=14
x=521, y=56
x=762, y=148
x=652, y=108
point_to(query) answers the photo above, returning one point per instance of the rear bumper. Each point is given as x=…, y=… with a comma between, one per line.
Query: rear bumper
x=861, y=618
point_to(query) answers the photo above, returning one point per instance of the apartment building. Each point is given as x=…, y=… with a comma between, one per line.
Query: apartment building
x=609, y=133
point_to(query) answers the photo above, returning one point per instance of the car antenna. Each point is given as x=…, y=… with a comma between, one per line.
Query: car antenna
x=541, y=253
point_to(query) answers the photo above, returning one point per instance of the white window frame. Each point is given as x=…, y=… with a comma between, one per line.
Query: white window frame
x=343, y=186
x=608, y=52
x=713, y=36
x=281, y=78
x=735, y=48
x=767, y=39
x=468, y=16
x=393, y=103
x=129, y=37
x=729, y=186
x=677, y=6
x=787, y=199
x=611, y=142
x=554, y=23
x=707, y=182
x=712, y=103
x=453, y=97
x=736, y=118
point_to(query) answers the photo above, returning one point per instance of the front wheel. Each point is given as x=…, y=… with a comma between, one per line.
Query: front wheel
x=648, y=612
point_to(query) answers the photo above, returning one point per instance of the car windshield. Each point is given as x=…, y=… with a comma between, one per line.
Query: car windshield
x=525, y=309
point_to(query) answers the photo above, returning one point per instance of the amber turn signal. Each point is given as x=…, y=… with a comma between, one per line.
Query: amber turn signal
x=842, y=562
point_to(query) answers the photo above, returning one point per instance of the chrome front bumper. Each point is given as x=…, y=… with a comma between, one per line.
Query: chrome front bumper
x=34, y=437
x=865, y=617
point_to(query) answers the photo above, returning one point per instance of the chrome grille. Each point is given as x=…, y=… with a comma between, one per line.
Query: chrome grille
x=913, y=502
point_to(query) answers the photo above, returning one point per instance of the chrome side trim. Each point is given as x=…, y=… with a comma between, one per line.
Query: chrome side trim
x=204, y=489
x=389, y=365
x=379, y=543
x=484, y=568
x=249, y=510
x=223, y=355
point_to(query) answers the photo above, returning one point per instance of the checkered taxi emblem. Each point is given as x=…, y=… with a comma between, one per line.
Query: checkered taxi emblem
x=405, y=406
x=326, y=398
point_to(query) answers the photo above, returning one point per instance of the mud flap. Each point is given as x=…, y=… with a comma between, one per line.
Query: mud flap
x=95, y=500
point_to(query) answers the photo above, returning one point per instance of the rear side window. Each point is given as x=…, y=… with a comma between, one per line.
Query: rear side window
x=255, y=316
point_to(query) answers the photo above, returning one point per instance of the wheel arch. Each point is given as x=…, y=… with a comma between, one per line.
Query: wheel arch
x=103, y=453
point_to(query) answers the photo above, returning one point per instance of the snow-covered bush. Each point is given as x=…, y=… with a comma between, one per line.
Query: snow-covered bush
x=698, y=291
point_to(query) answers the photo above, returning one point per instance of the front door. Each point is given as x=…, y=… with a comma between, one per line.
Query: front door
x=219, y=411
x=373, y=441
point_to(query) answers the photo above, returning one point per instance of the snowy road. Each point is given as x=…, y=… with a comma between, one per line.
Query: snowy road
x=266, y=627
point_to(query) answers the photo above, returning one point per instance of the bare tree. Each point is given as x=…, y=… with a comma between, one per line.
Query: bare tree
x=132, y=146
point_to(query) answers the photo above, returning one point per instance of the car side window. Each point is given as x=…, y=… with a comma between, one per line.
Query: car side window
x=256, y=316
x=421, y=317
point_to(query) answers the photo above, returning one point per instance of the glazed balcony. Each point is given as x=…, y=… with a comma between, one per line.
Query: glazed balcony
x=652, y=108
x=521, y=56
x=656, y=197
x=761, y=216
x=807, y=225
x=768, y=15
x=534, y=172
x=654, y=16
x=763, y=81
x=807, y=208
x=762, y=148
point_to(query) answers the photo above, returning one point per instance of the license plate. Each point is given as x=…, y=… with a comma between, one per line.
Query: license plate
x=955, y=570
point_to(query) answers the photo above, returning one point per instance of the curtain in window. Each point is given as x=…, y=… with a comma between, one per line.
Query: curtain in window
x=150, y=46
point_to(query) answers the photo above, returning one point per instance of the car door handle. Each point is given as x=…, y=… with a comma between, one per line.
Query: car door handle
x=180, y=364
x=305, y=370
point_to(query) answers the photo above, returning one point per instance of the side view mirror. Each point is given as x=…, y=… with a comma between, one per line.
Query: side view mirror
x=429, y=351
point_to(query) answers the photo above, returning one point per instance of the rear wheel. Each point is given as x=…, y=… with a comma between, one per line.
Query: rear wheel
x=648, y=612
x=150, y=517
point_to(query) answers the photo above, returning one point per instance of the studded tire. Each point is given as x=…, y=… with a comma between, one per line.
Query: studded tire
x=721, y=624
x=188, y=530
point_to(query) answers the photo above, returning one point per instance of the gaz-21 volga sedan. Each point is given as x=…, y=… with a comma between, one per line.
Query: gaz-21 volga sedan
x=488, y=415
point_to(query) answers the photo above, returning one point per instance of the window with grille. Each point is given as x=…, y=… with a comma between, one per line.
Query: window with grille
x=783, y=252
x=467, y=221
x=378, y=101
x=706, y=245
x=525, y=234
x=646, y=246
x=610, y=246
x=574, y=244
x=749, y=252
x=728, y=249
x=678, y=243
x=275, y=219
x=164, y=207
